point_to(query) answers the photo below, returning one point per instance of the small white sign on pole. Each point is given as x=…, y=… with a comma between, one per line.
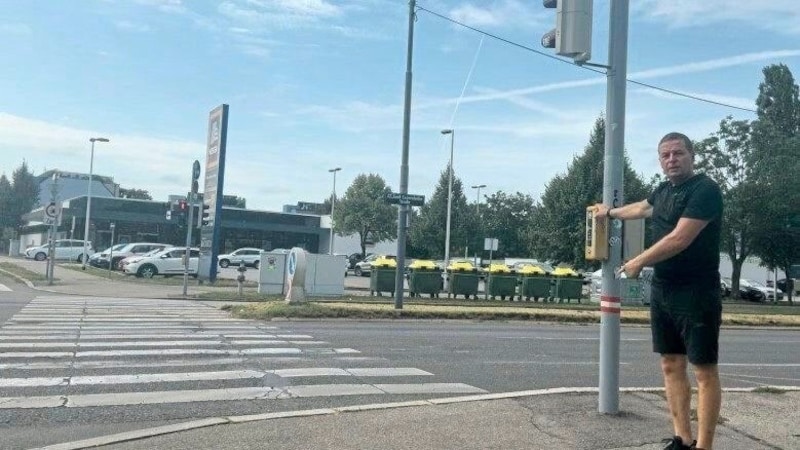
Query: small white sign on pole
x=490, y=244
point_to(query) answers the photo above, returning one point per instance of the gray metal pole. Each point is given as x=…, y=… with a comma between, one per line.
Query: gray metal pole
x=449, y=201
x=613, y=195
x=402, y=215
x=51, y=263
x=88, y=211
x=189, y=226
x=333, y=205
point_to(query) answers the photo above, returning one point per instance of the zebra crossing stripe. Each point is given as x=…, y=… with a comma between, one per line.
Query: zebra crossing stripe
x=145, y=378
x=4, y=288
x=246, y=393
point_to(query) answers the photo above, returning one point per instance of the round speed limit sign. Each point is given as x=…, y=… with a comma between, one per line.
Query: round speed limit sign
x=51, y=210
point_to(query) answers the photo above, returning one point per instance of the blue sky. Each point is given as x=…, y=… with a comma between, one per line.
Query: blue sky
x=317, y=84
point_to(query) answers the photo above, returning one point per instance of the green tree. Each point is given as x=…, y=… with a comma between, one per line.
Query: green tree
x=363, y=210
x=428, y=231
x=139, y=194
x=6, y=193
x=234, y=201
x=24, y=194
x=775, y=162
x=557, y=227
x=506, y=217
x=725, y=157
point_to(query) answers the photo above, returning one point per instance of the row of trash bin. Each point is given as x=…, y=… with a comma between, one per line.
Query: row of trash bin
x=530, y=282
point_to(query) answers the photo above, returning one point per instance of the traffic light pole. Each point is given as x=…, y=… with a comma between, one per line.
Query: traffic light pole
x=610, y=301
x=189, y=226
x=402, y=215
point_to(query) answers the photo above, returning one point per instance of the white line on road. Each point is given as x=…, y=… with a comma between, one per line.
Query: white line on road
x=246, y=393
x=4, y=288
x=181, y=377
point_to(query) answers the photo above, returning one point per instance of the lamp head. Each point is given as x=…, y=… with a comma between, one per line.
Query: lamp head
x=98, y=139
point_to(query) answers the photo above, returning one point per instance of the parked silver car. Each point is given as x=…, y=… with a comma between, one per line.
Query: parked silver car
x=65, y=249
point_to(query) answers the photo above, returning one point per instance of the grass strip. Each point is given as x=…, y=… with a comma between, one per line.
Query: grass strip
x=277, y=309
x=33, y=277
x=168, y=280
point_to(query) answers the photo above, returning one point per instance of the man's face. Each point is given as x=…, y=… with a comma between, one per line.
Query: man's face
x=676, y=161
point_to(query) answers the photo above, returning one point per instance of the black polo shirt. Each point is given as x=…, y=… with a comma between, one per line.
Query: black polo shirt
x=699, y=197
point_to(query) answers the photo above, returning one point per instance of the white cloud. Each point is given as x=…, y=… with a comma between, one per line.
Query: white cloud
x=499, y=14
x=125, y=25
x=126, y=157
x=781, y=16
x=169, y=6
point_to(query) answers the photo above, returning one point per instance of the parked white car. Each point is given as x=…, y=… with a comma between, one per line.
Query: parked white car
x=769, y=292
x=167, y=262
x=247, y=255
x=65, y=249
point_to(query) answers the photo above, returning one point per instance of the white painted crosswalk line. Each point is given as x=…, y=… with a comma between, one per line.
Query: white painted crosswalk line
x=4, y=288
x=245, y=393
x=120, y=352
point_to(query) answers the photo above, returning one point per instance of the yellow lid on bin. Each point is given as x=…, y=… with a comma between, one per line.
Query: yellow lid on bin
x=383, y=261
x=498, y=268
x=422, y=264
x=531, y=269
x=460, y=265
x=564, y=272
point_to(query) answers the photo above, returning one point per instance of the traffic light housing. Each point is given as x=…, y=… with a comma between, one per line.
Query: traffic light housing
x=204, y=216
x=572, y=36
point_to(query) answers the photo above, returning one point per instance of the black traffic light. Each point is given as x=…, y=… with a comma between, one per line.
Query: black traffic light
x=204, y=217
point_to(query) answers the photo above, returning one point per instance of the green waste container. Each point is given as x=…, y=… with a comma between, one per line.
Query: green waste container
x=631, y=291
x=463, y=282
x=537, y=286
x=381, y=279
x=425, y=281
x=502, y=284
x=569, y=287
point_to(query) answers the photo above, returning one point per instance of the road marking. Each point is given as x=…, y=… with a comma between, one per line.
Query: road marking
x=108, y=344
x=4, y=288
x=179, y=377
x=246, y=393
x=758, y=365
x=103, y=364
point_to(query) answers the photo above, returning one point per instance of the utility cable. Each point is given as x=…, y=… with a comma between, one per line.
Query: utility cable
x=565, y=61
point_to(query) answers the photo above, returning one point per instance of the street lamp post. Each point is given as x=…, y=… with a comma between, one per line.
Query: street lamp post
x=452, y=134
x=89, y=203
x=333, y=204
x=478, y=197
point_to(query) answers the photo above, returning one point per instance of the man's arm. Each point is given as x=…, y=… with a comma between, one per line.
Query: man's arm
x=685, y=232
x=638, y=210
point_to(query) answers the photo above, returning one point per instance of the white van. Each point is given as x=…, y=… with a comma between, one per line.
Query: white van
x=65, y=249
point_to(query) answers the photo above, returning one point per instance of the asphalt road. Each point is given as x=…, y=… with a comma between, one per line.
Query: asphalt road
x=434, y=358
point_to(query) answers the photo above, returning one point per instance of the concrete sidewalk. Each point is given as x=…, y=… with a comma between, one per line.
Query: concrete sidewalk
x=529, y=420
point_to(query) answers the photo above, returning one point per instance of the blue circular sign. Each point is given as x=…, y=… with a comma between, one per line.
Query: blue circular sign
x=292, y=263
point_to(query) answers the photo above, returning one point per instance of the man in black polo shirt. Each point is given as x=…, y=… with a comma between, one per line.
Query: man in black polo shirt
x=685, y=304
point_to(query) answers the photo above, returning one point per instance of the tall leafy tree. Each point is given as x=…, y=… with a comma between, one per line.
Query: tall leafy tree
x=6, y=193
x=139, y=194
x=363, y=210
x=557, y=229
x=428, y=231
x=506, y=217
x=725, y=156
x=24, y=194
x=234, y=201
x=775, y=162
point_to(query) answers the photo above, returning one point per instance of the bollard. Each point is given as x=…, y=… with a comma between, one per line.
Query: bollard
x=240, y=279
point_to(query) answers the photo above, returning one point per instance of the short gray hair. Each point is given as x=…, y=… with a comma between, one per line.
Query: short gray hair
x=675, y=136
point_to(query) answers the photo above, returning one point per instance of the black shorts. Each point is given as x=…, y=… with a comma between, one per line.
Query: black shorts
x=685, y=320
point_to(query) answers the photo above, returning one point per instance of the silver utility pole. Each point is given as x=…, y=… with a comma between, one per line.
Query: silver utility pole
x=189, y=226
x=402, y=215
x=452, y=134
x=613, y=196
x=51, y=250
x=84, y=257
x=333, y=204
x=478, y=197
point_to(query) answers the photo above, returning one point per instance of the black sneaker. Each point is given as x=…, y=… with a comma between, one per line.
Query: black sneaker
x=676, y=443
